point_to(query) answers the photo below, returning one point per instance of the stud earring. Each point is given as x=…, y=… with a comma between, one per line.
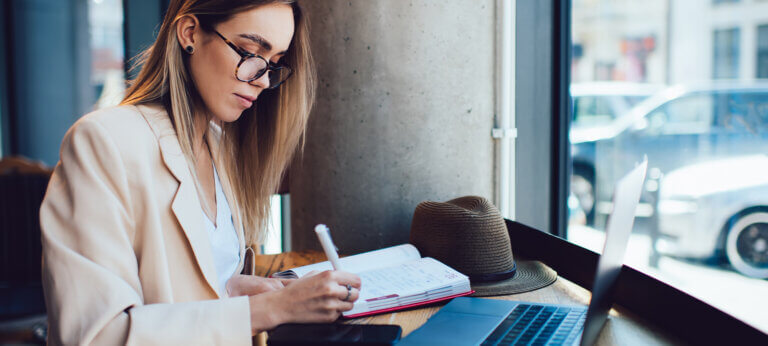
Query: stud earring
x=190, y=49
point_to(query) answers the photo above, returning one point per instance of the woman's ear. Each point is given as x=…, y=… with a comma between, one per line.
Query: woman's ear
x=188, y=32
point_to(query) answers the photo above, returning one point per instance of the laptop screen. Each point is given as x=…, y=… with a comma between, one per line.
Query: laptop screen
x=625, y=198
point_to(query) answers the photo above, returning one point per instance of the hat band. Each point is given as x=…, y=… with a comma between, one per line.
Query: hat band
x=493, y=277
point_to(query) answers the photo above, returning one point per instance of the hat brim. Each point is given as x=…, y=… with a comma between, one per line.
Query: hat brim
x=530, y=275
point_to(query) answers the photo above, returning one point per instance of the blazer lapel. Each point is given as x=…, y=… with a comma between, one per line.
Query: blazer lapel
x=186, y=204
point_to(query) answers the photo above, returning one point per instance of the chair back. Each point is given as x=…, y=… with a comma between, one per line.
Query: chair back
x=22, y=188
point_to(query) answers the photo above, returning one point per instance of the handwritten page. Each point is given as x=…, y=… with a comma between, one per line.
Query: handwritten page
x=362, y=262
x=407, y=278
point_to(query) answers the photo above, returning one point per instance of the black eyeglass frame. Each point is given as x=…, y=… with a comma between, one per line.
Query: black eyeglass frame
x=245, y=55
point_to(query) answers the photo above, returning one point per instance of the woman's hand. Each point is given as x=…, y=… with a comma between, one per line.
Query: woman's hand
x=317, y=298
x=250, y=285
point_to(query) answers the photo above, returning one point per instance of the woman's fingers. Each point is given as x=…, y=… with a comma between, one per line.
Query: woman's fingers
x=345, y=278
x=342, y=285
x=341, y=306
x=354, y=295
x=346, y=293
x=320, y=297
x=341, y=277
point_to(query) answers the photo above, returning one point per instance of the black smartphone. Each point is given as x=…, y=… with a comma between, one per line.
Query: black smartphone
x=334, y=334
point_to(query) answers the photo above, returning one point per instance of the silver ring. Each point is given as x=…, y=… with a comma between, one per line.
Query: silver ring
x=349, y=292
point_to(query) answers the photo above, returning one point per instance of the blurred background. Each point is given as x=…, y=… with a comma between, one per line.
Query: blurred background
x=683, y=82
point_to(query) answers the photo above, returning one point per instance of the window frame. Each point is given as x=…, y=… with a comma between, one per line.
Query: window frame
x=761, y=29
x=543, y=116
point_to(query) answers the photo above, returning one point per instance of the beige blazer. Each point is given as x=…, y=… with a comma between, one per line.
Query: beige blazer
x=126, y=257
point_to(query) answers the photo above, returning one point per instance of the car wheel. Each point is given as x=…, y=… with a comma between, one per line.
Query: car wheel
x=746, y=245
x=583, y=187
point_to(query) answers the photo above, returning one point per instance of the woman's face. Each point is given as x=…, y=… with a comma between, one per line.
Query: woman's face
x=266, y=31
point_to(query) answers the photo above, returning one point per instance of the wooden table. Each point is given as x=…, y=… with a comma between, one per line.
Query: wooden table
x=621, y=329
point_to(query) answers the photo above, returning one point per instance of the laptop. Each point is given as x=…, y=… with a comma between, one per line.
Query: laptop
x=479, y=321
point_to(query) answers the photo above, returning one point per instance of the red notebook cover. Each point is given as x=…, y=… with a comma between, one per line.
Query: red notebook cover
x=376, y=312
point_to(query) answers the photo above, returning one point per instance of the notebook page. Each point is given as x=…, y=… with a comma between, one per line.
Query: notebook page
x=361, y=262
x=407, y=278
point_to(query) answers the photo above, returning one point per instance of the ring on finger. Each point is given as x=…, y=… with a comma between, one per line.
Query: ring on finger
x=349, y=292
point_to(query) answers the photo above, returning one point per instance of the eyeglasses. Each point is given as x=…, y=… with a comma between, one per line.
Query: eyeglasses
x=251, y=67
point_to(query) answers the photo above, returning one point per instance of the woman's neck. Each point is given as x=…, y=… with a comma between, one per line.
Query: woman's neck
x=200, y=123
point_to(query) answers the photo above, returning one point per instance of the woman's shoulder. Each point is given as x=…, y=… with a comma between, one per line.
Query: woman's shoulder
x=122, y=118
x=125, y=127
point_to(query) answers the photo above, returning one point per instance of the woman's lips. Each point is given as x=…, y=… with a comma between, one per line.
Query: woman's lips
x=244, y=101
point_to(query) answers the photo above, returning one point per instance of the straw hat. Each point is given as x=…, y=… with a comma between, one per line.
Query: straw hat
x=469, y=235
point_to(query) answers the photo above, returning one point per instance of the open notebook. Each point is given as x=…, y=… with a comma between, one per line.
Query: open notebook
x=394, y=278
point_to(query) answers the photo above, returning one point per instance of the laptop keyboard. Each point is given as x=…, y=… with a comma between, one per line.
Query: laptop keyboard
x=531, y=324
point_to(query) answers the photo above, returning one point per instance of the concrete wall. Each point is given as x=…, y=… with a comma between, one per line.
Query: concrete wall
x=404, y=114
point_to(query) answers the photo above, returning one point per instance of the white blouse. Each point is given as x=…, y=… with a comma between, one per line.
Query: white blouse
x=225, y=246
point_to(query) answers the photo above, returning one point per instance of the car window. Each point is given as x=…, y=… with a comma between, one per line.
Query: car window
x=632, y=100
x=688, y=114
x=743, y=112
x=592, y=110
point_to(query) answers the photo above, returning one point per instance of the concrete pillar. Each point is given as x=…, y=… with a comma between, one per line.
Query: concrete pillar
x=404, y=114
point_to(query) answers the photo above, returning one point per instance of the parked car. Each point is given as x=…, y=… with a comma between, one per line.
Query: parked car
x=597, y=104
x=717, y=208
x=678, y=126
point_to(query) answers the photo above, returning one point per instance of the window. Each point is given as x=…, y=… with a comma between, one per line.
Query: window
x=726, y=53
x=589, y=110
x=743, y=113
x=762, y=51
x=107, y=51
x=75, y=47
x=273, y=243
x=690, y=114
x=702, y=222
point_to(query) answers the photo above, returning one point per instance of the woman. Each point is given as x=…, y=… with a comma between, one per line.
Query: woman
x=147, y=214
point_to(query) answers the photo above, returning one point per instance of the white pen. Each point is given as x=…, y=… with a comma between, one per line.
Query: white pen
x=324, y=235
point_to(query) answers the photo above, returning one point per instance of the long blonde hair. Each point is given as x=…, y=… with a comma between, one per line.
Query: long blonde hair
x=255, y=149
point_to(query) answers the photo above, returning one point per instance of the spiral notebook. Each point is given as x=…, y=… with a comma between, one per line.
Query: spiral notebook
x=394, y=278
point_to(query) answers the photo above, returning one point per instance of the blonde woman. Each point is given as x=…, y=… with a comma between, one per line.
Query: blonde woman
x=148, y=213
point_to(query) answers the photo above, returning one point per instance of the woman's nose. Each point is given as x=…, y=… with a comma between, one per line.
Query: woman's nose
x=262, y=82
